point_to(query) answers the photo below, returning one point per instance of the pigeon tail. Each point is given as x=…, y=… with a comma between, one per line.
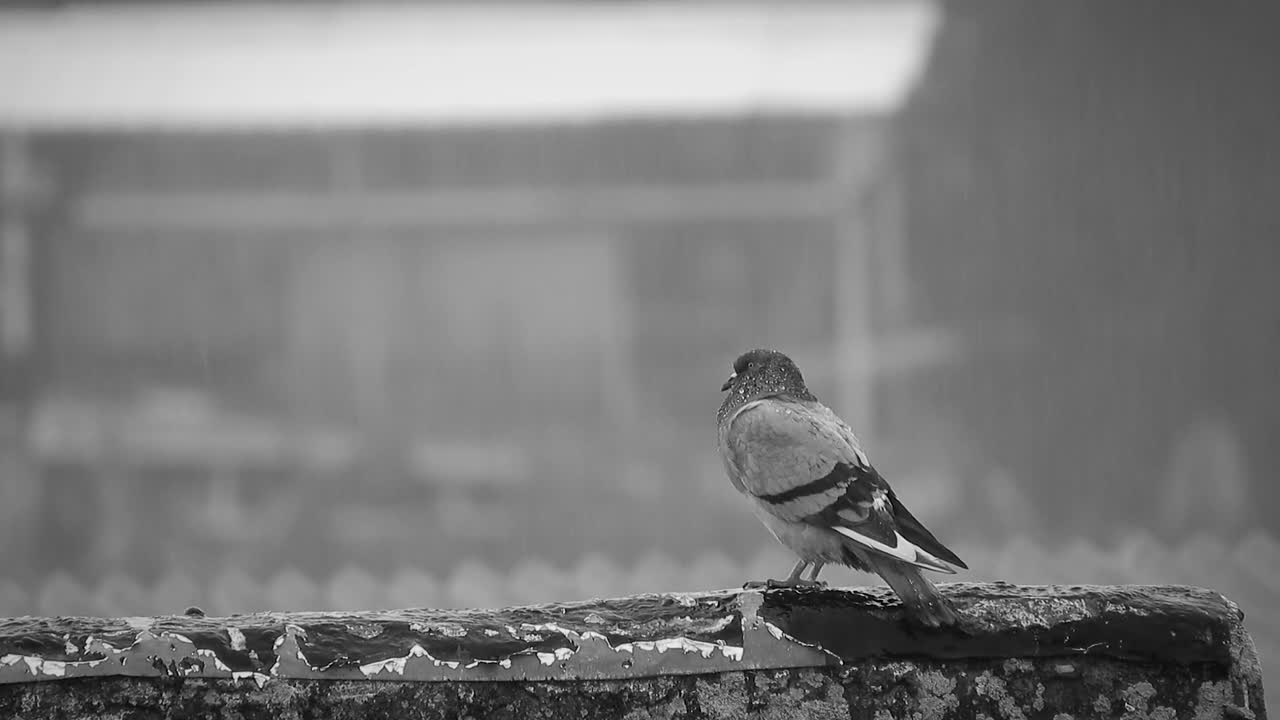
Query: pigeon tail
x=919, y=596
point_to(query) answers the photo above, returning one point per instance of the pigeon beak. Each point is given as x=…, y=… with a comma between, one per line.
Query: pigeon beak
x=729, y=383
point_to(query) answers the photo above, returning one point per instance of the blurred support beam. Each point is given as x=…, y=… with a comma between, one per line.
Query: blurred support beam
x=21, y=198
x=17, y=193
x=245, y=65
x=266, y=210
x=617, y=345
x=854, y=282
x=371, y=284
x=887, y=210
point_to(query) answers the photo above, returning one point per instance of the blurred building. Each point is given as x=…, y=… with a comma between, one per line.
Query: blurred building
x=1090, y=205
x=344, y=291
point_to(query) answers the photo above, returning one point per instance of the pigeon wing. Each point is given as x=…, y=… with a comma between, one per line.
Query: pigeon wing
x=775, y=451
x=804, y=464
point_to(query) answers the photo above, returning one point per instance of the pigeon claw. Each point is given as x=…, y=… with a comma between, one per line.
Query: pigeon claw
x=772, y=584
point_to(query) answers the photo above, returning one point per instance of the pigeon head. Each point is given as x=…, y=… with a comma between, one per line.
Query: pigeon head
x=759, y=373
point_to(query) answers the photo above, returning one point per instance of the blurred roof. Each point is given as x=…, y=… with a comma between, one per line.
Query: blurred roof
x=324, y=65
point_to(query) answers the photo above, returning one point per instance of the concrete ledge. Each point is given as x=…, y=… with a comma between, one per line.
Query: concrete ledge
x=1020, y=652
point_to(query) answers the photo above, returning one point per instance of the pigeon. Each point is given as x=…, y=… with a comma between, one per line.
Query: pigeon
x=812, y=486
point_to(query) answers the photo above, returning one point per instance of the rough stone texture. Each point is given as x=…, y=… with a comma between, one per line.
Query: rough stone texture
x=1020, y=653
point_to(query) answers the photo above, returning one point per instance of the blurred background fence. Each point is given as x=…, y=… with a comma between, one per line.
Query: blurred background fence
x=349, y=305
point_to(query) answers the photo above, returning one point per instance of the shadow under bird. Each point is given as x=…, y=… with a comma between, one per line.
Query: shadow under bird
x=812, y=486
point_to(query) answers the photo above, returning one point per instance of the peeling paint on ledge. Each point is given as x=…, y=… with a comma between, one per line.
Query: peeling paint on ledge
x=642, y=636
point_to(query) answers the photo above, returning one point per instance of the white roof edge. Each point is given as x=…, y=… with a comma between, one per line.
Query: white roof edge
x=324, y=65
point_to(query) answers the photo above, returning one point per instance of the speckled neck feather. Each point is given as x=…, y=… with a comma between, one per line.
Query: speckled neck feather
x=772, y=374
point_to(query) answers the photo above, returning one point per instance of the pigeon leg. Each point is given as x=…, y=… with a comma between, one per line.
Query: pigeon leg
x=813, y=574
x=769, y=584
x=793, y=580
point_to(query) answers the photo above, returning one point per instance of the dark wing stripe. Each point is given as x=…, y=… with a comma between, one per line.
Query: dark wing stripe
x=858, y=496
x=826, y=483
